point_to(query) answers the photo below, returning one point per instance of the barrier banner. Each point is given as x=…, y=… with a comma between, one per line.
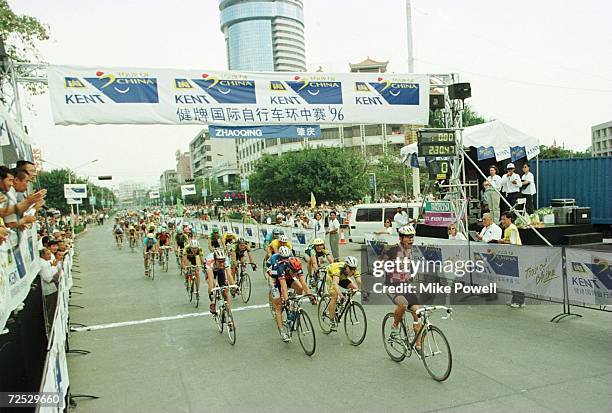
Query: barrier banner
x=19, y=265
x=533, y=270
x=589, y=276
x=112, y=95
x=55, y=375
x=237, y=228
x=301, y=238
x=251, y=234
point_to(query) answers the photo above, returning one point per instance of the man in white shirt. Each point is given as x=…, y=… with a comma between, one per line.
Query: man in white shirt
x=333, y=229
x=490, y=231
x=529, y=188
x=510, y=186
x=49, y=275
x=491, y=195
x=400, y=218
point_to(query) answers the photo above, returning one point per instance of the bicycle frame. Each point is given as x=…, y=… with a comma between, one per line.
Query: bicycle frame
x=423, y=316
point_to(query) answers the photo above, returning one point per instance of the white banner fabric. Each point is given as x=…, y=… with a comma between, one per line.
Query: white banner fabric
x=112, y=95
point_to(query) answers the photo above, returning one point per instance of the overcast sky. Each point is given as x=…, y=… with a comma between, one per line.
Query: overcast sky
x=543, y=66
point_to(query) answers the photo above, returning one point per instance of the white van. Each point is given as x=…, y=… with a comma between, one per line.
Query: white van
x=367, y=218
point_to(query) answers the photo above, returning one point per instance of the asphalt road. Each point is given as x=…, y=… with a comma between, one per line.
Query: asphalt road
x=504, y=360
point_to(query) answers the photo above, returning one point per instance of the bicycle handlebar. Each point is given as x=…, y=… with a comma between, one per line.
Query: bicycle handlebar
x=425, y=309
x=225, y=287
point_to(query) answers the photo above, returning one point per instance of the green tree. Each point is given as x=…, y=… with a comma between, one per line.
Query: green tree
x=332, y=174
x=54, y=180
x=553, y=152
x=469, y=117
x=20, y=35
x=389, y=174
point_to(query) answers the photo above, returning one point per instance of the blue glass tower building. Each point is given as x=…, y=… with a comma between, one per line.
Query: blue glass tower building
x=264, y=35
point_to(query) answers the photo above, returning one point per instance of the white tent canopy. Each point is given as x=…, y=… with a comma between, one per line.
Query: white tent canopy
x=497, y=135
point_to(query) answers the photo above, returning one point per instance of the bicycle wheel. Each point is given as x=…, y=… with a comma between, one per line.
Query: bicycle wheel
x=436, y=353
x=323, y=314
x=245, y=287
x=191, y=283
x=306, y=333
x=218, y=321
x=355, y=324
x=396, y=347
x=152, y=272
x=264, y=268
x=166, y=263
x=231, y=326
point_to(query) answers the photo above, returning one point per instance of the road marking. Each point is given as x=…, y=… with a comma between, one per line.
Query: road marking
x=157, y=319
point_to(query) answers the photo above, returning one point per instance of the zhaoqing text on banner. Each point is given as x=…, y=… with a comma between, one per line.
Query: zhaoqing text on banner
x=105, y=95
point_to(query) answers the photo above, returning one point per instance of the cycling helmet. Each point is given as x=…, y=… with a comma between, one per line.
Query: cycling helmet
x=407, y=230
x=150, y=235
x=295, y=264
x=284, y=252
x=283, y=238
x=242, y=241
x=219, y=254
x=318, y=241
x=351, y=262
x=277, y=231
x=215, y=230
x=194, y=243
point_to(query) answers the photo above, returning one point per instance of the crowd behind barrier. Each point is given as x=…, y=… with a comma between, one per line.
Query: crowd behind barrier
x=575, y=276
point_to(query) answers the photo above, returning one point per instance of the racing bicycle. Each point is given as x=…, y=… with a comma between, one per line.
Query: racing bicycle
x=295, y=319
x=243, y=280
x=190, y=287
x=350, y=311
x=435, y=351
x=223, y=316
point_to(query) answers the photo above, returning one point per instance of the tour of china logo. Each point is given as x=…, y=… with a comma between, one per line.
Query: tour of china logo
x=317, y=92
x=394, y=93
x=227, y=90
x=120, y=89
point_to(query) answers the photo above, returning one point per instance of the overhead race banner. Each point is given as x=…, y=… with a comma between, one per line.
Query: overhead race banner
x=266, y=131
x=154, y=195
x=75, y=191
x=188, y=190
x=106, y=95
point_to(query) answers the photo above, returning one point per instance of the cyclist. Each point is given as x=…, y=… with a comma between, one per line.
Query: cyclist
x=218, y=270
x=276, y=268
x=405, y=301
x=292, y=276
x=227, y=241
x=316, y=253
x=118, y=232
x=181, y=238
x=339, y=275
x=271, y=236
x=163, y=236
x=143, y=229
x=150, y=246
x=239, y=256
x=192, y=255
x=214, y=240
x=281, y=241
x=132, y=234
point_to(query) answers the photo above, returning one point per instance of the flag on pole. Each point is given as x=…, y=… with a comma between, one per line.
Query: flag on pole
x=313, y=201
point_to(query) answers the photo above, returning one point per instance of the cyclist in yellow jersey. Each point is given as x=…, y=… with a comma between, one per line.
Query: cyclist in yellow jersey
x=281, y=241
x=339, y=275
x=227, y=242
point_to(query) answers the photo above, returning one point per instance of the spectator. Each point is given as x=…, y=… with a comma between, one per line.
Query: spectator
x=333, y=229
x=490, y=230
x=511, y=186
x=49, y=275
x=491, y=195
x=512, y=236
x=400, y=218
x=454, y=234
x=529, y=188
x=319, y=224
x=11, y=209
x=386, y=231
